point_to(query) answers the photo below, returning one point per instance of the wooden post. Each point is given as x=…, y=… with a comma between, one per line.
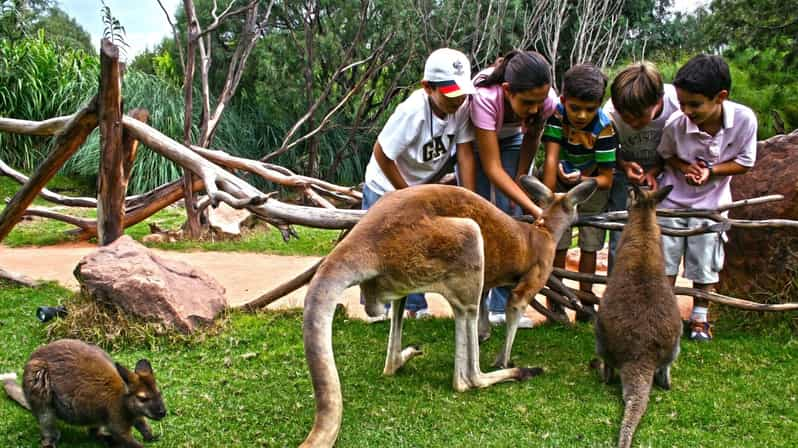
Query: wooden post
x=111, y=181
x=73, y=135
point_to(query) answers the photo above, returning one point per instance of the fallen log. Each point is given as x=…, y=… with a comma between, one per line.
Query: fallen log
x=21, y=279
x=66, y=144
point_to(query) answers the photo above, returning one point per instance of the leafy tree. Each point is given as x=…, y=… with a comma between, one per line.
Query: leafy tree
x=757, y=24
x=17, y=17
x=63, y=30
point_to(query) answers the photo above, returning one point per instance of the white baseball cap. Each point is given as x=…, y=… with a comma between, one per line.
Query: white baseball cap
x=450, y=71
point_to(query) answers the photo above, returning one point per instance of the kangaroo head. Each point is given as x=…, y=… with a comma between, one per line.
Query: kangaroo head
x=644, y=198
x=558, y=205
x=142, y=397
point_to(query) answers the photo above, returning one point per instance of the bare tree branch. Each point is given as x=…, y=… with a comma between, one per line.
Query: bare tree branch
x=176, y=34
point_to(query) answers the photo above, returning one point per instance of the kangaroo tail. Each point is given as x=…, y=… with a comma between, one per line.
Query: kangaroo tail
x=319, y=309
x=284, y=289
x=636, y=381
x=13, y=389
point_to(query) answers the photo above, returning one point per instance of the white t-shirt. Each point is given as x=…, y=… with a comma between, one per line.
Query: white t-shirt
x=418, y=146
x=640, y=145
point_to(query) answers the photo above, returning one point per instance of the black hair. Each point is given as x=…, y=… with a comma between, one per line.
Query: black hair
x=522, y=70
x=584, y=82
x=704, y=74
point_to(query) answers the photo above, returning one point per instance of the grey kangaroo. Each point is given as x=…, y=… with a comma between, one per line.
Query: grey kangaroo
x=80, y=384
x=638, y=324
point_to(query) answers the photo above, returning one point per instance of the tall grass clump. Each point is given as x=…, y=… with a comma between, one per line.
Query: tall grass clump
x=164, y=101
x=39, y=81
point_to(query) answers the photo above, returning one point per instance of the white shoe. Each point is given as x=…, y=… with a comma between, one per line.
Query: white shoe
x=378, y=318
x=497, y=319
x=420, y=314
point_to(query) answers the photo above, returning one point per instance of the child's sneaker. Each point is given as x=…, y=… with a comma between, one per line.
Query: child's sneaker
x=378, y=318
x=423, y=313
x=497, y=319
x=700, y=331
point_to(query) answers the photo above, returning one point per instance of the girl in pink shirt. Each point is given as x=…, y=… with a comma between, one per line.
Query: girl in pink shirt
x=513, y=100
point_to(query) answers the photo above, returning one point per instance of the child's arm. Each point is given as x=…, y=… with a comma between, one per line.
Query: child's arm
x=551, y=165
x=466, y=165
x=529, y=147
x=730, y=168
x=389, y=167
x=604, y=178
x=488, y=144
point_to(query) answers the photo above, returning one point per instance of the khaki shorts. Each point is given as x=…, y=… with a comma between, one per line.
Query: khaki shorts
x=703, y=254
x=591, y=239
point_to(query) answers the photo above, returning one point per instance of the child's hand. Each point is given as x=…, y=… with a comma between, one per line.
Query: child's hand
x=634, y=172
x=697, y=173
x=568, y=178
x=650, y=179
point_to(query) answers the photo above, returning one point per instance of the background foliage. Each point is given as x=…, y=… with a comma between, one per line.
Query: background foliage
x=48, y=68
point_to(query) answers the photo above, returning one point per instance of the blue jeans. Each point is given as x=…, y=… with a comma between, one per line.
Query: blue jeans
x=415, y=302
x=509, y=152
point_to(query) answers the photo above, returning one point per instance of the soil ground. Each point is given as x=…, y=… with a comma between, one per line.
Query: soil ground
x=245, y=276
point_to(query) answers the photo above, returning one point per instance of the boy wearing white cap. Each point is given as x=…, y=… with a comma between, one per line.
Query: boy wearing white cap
x=422, y=135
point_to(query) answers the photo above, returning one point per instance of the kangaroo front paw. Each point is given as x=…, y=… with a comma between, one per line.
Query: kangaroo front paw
x=394, y=363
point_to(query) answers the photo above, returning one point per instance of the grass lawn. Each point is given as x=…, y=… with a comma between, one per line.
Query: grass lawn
x=737, y=391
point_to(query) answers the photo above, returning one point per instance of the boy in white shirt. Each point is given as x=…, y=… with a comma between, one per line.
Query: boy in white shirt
x=709, y=141
x=422, y=135
x=640, y=105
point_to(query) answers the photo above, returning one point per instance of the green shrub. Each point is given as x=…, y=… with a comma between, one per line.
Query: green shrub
x=39, y=81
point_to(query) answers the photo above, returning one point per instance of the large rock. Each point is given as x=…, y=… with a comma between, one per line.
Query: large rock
x=129, y=275
x=765, y=260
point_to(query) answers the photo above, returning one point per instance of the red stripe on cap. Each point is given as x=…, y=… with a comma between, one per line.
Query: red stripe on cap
x=449, y=89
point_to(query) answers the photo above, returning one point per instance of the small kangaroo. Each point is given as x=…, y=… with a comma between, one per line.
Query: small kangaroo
x=81, y=385
x=638, y=325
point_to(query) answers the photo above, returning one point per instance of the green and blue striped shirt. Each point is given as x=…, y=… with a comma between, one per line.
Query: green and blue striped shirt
x=588, y=148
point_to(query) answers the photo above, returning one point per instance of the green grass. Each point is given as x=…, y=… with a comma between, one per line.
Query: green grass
x=737, y=391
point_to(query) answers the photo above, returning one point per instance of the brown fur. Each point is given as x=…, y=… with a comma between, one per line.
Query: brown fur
x=638, y=325
x=80, y=384
x=432, y=238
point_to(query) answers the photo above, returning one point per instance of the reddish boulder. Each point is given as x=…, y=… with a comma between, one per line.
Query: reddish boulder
x=127, y=274
x=765, y=260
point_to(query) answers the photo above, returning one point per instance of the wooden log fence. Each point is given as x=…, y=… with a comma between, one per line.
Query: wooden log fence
x=120, y=137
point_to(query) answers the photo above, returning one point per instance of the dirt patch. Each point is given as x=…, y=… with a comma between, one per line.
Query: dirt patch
x=245, y=276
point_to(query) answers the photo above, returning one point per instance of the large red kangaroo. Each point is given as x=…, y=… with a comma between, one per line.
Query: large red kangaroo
x=433, y=238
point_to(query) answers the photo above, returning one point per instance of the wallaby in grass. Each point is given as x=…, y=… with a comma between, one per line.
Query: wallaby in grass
x=433, y=238
x=638, y=325
x=80, y=384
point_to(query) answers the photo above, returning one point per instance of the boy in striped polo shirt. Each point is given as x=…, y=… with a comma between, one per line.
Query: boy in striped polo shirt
x=580, y=143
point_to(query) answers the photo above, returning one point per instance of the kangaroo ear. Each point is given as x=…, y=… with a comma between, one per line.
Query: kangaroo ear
x=143, y=367
x=634, y=193
x=581, y=192
x=537, y=190
x=123, y=372
x=662, y=193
